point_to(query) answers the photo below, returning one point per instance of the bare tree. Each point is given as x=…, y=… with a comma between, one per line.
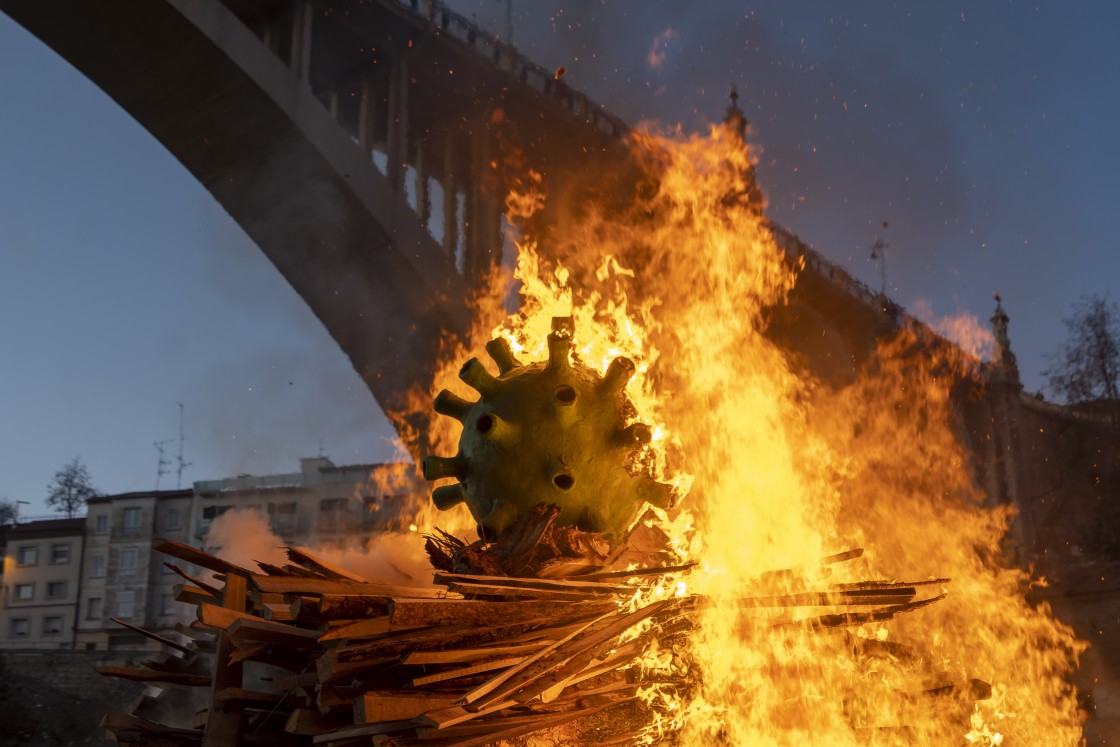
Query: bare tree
x=70, y=489
x=9, y=512
x=1087, y=368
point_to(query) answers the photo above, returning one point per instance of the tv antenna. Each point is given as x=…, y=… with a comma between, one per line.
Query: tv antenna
x=879, y=256
x=165, y=462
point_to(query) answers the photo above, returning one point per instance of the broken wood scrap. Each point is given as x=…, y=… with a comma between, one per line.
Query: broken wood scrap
x=194, y=556
x=351, y=606
x=311, y=562
x=309, y=722
x=194, y=580
x=221, y=618
x=498, y=593
x=195, y=595
x=463, y=655
x=135, y=730
x=418, y=612
x=505, y=732
x=460, y=672
x=247, y=628
x=542, y=584
x=659, y=570
x=153, y=636
x=401, y=705
x=319, y=586
x=149, y=675
x=356, y=731
x=249, y=697
x=374, y=626
x=846, y=619
x=568, y=656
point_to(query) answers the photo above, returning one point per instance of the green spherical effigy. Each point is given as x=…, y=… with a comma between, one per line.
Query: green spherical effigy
x=547, y=432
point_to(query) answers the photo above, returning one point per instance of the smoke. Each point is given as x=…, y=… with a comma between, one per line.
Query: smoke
x=968, y=332
x=244, y=537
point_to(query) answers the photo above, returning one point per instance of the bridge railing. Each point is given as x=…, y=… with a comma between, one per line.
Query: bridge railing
x=508, y=58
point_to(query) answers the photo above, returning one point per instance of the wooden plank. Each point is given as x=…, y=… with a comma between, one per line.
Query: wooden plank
x=307, y=560
x=462, y=656
x=135, y=730
x=287, y=682
x=360, y=629
x=361, y=730
x=477, y=612
x=591, y=587
x=224, y=722
x=148, y=675
x=441, y=718
x=214, y=590
x=194, y=556
x=519, y=593
x=245, y=651
x=313, y=586
x=577, y=647
x=505, y=734
x=276, y=612
x=193, y=595
x=220, y=617
x=154, y=636
x=454, y=674
x=249, y=697
x=660, y=570
x=351, y=606
x=486, y=688
x=248, y=628
x=309, y=722
x=374, y=707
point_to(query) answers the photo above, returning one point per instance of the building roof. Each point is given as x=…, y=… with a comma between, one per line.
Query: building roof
x=50, y=526
x=184, y=493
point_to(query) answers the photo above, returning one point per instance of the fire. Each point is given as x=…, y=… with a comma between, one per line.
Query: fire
x=776, y=471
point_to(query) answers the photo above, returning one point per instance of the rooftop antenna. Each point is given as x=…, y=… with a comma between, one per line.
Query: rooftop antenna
x=182, y=464
x=163, y=464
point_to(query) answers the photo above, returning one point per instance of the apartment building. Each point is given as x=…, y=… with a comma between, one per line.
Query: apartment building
x=64, y=580
x=320, y=506
x=41, y=588
x=122, y=576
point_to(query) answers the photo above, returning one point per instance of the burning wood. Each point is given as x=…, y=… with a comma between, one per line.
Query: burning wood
x=476, y=659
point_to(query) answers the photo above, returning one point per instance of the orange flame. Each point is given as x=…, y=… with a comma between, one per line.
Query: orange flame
x=778, y=470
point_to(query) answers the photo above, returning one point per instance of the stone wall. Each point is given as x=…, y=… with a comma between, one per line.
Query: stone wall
x=75, y=672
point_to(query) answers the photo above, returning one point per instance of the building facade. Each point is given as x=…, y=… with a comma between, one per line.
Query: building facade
x=123, y=577
x=42, y=580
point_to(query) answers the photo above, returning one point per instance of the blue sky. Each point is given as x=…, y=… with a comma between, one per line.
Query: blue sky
x=983, y=133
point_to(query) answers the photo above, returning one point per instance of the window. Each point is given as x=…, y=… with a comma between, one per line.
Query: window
x=172, y=519
x=213, y=512
x=52, y=625
x=332, y=511
x=168, y=605
x=56, y=589
x=125, y=602
x=60, y=554
x=128, y=560
x=132, y=518
x=97, y=566
x=21, y=626
x=101, y=524
x=93, y=608
x=28, y=555
x=25, y=592
x=283, y=515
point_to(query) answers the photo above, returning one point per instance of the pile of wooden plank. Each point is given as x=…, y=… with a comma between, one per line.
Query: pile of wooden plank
x=312, y=654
